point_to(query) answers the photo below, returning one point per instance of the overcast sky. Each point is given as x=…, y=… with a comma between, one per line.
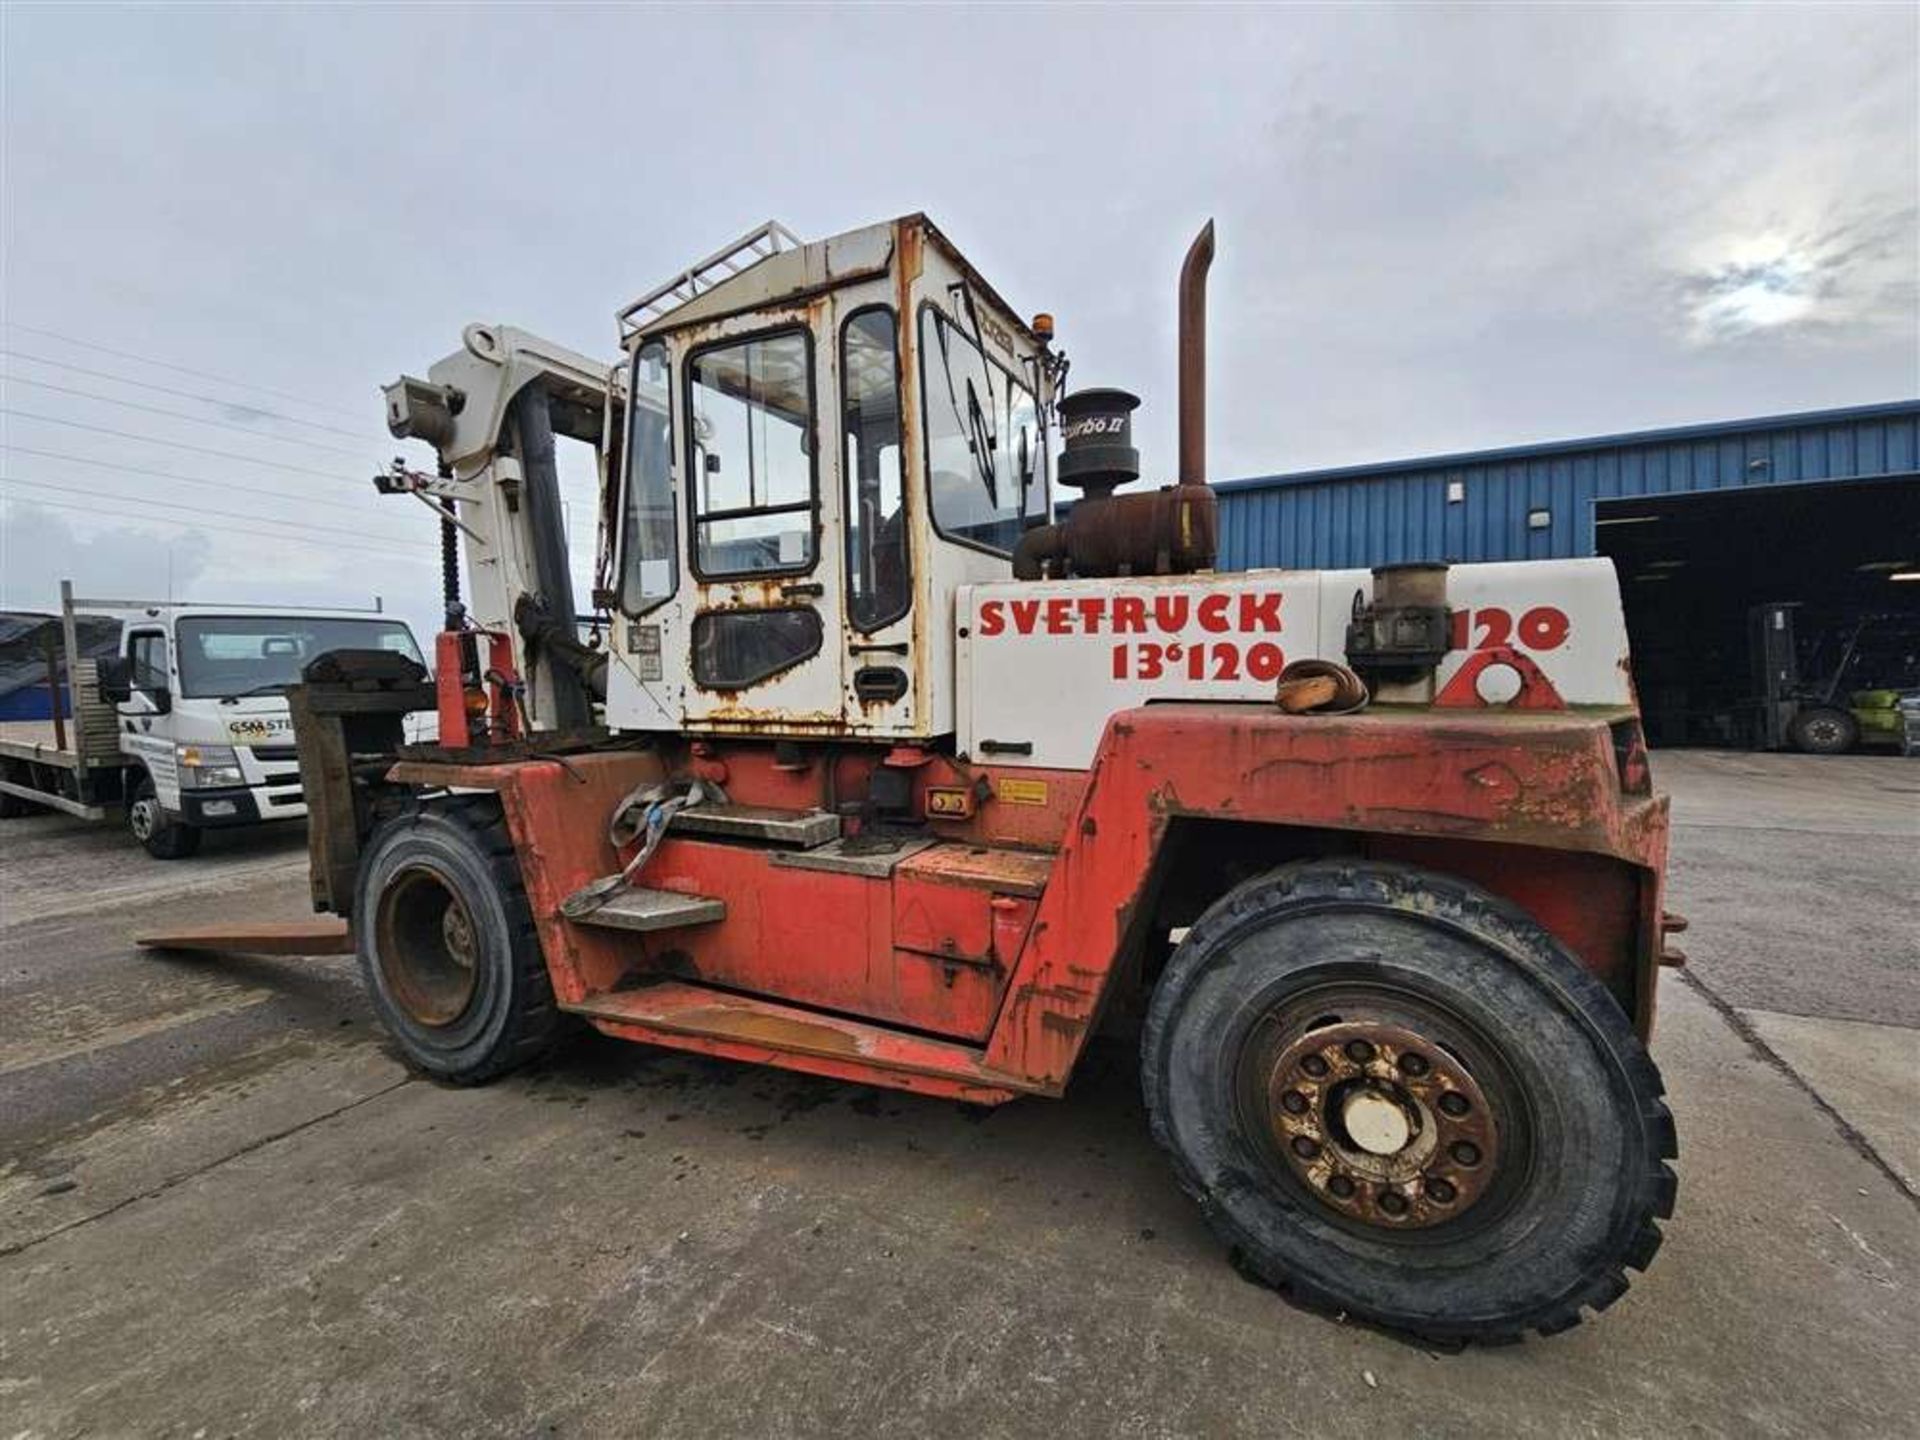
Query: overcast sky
x=1439, y=229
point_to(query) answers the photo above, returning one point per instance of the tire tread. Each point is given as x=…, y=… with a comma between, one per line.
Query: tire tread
x=1652, y=1192
x=537, y=1023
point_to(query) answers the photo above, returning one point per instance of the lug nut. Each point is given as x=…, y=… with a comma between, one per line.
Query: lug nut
x=1464, y=1152
x=1393, y=1202
x=1414, y=1065
x=1455, y=1104
x=1314, y=1065
x=1359, y=1051
x=1305, y=1146
x=1340, y=1187
x=1294, y=1103
x=1442, y=1191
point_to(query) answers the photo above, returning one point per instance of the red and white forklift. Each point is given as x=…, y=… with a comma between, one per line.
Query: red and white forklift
x=876, y=765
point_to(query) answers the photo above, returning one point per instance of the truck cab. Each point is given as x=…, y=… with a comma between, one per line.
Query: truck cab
x=200, y=694
x=818, y=456
x=186, y=726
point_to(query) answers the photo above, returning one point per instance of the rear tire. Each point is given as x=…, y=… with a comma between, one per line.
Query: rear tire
x=447, y=944
x=12, y=807
x=1823, y=730
x=164, y=838
x=1397, y=1097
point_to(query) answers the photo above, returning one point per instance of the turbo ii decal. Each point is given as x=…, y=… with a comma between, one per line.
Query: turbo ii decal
x=1043, y=664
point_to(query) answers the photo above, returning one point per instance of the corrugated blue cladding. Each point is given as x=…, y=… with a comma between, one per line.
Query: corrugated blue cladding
x=1382, y=514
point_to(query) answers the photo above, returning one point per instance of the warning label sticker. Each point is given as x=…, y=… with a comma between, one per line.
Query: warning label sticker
x=1021, y=792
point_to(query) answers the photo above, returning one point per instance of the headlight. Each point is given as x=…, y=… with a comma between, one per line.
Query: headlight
x=208, y=767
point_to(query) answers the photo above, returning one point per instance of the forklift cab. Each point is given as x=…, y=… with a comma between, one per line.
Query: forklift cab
x=822, y=443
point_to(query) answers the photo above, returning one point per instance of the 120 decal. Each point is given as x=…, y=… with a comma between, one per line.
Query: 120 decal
x=1544, y=627
x=1223, y=660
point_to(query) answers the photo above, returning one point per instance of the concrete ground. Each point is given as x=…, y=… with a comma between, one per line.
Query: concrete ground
x=225, y=1209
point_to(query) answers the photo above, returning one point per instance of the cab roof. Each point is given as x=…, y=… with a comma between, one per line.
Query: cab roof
x=769, y=266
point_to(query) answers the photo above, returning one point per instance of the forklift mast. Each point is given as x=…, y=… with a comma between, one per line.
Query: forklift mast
x=1776, y=668
x=495, y=411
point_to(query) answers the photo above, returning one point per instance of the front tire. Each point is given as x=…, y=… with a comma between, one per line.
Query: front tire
x=1824, y=730
x=1397, y=1097
x=447, y=944
x=164, y=838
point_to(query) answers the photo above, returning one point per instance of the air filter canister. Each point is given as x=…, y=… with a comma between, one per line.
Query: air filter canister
x=1097, y=427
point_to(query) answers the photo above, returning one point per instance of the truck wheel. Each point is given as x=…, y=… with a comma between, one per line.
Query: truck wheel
x=164, y=839
x=1823, y=730
x=447, y=944
x=1398, y=1097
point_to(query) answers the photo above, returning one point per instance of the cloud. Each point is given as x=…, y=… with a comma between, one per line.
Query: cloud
x=1440, y=227
x=39, y=548
x=1853, y=281
x=1767, y=284
x=124, y=560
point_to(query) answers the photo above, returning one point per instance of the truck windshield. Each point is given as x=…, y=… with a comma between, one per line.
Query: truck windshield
x=232, y=655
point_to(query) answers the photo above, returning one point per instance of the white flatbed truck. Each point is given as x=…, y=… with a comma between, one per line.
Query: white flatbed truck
x=186, y=727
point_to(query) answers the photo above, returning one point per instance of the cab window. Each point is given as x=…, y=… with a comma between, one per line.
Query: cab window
x=986, y=456
x=147, y=660
x=649, y=564
x=750, y=455
x=877, y=578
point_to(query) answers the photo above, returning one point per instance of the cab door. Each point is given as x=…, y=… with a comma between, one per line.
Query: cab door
x=762, y=624
x=887, y=666
x=145, y=733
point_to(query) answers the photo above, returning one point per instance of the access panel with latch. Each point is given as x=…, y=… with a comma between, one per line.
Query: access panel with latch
x=960, y=917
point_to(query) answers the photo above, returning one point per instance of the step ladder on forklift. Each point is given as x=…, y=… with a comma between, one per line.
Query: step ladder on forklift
x=636, y=907
x=801, y=839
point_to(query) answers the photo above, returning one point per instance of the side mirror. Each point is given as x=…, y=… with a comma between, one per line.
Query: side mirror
x=115, y=677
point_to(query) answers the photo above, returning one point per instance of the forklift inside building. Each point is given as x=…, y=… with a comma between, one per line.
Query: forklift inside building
x=1775, y=617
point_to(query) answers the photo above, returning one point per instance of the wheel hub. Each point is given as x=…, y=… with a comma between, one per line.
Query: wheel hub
x=457, y=930
x=426, y=947
x=1382, y=1124
x=1377, y=1123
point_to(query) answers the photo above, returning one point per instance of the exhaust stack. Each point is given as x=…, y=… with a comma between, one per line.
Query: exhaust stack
x=1193, y=358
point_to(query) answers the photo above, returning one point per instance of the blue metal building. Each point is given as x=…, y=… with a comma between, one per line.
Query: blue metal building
x=1534, y=502
x=1815, y=517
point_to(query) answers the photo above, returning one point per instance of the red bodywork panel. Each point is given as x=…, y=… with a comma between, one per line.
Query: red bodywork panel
x=1006, y=938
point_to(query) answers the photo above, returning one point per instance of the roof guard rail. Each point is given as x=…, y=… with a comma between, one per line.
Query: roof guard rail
x=760, y=243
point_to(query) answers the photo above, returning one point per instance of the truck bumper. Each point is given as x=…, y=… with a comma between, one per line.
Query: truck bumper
x=211, y=809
